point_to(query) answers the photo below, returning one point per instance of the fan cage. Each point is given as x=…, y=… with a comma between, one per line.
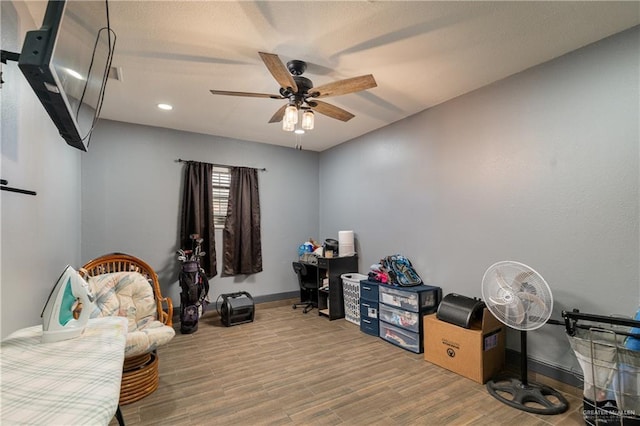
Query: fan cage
x=517, y=295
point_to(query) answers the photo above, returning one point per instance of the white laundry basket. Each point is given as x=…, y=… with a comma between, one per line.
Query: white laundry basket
x=351, y=296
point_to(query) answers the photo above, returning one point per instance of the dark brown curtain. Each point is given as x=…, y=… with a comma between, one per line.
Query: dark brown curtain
x=242, y=243
x=197, y=212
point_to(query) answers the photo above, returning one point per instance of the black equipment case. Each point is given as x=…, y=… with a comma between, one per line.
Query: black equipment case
x=237, y=308
x=460, y=310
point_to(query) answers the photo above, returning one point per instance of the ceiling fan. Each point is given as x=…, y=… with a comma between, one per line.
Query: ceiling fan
x=302, y=95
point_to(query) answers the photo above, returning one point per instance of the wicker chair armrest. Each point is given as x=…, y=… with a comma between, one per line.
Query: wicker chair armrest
x=167, y=315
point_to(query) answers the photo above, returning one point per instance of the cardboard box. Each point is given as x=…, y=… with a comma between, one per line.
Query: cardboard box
x=476, y=353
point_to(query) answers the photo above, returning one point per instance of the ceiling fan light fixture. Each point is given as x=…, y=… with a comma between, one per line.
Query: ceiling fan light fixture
x=308, y=120
x=300, y=92
x=288, y=126
x=291, y=114
x=299, y=132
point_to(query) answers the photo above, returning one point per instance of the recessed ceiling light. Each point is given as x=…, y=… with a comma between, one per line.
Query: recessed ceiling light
x=165, y=107
x=299, y=132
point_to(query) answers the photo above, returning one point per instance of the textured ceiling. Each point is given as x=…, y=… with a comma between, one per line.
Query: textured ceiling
x=420, y=53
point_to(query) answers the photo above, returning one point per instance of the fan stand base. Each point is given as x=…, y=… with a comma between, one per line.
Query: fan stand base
x=522, y=394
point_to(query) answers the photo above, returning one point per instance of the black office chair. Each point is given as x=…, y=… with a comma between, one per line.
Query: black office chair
x=308, y=287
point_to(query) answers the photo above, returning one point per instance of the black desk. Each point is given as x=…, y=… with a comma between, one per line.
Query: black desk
x=330, y=301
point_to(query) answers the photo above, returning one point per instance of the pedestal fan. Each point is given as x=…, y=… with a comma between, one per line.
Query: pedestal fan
x=520, y=298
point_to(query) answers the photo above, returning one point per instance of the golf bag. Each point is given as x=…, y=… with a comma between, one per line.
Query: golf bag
x=194, y=285
x=193, y=297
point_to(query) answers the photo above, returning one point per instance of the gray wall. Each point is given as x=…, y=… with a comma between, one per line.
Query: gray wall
x=131, y=195
x=40, y=234
x=541, y=168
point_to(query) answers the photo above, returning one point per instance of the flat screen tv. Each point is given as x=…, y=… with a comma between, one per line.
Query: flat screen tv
x=67, y=64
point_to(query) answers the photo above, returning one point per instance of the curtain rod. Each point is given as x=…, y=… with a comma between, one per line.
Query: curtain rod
x=180, y=160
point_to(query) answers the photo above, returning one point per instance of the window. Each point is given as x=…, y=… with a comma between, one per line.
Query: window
x=221, y=180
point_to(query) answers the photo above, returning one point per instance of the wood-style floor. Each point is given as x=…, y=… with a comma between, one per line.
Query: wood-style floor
x=290, y=368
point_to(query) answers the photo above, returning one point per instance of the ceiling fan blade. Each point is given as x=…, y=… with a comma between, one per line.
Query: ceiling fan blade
x=246, y=94
x=279, y=71
x=330, y=110
x=279, y=114
x=342, y=87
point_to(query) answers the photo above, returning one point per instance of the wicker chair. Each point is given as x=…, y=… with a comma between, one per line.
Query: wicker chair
x=140, y=371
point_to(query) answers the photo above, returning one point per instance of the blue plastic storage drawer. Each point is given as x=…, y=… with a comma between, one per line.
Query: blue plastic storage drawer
x=398, y=336
x=368, y=309
x=369, y=290
x=369, y=317
x=405, y=319
x=369, y=326
x=415, y=299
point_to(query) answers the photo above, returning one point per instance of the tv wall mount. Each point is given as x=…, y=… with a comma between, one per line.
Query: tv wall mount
x=7, y=56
